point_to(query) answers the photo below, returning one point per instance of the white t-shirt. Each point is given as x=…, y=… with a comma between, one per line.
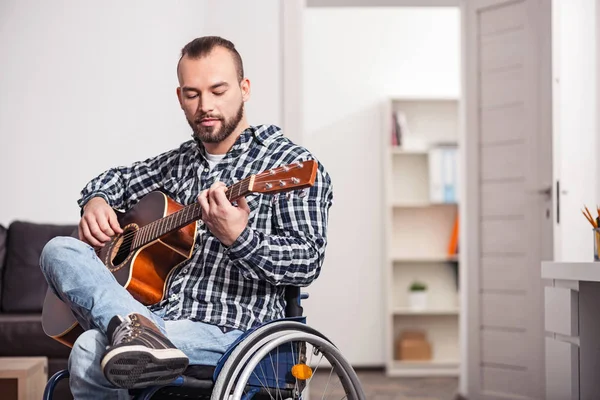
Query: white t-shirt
x=213, y=159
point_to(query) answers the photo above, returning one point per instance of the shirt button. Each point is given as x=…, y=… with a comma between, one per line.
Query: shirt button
x=173, y=297
x=206, y=169
x=185, y=270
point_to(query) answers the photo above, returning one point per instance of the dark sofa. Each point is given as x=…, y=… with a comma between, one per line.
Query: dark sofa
x=22, y=292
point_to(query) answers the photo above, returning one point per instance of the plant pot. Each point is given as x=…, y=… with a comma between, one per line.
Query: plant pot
x=417, y=300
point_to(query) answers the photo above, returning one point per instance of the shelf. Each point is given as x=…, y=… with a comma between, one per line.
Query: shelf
x=423, y=368
x=410, y=152
x=408, y=311
x=424, y=259
x=420, y=204
x=428, y=99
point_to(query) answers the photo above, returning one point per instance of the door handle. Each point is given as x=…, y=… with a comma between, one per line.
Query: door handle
x=547, y=191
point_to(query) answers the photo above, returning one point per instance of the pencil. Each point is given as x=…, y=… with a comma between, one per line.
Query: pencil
x=589, y=219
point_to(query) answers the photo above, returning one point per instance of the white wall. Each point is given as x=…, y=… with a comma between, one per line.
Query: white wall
x=86, y=86
x=254, y=27
x=575, y=128
x=353, y=59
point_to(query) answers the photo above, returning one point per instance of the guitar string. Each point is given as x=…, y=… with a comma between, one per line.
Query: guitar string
x=129, y=237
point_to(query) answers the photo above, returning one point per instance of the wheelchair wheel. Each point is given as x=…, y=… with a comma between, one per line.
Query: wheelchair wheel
x=282, y=365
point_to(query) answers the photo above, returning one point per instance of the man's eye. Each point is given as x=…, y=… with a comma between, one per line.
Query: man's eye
x=191, y=96
x=219, y=93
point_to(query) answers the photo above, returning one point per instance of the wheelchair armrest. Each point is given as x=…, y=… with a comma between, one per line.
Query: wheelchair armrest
x=292, y=301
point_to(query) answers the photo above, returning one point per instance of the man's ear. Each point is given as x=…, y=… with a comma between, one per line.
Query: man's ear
x=245, y=86
x=179, y=96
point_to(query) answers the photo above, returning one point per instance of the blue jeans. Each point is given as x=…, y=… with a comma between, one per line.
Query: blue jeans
x=79, y=278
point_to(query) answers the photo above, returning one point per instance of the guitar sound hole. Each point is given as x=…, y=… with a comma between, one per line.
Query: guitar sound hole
x=122, y=247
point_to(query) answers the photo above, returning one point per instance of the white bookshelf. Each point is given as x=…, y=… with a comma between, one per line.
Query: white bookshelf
x=417, y=234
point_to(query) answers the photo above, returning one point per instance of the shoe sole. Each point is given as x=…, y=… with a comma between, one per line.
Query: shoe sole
x=133, y=367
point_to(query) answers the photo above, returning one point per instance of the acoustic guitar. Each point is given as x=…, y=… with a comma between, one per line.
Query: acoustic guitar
x=158, y=235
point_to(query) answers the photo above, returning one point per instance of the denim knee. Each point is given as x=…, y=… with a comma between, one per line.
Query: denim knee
x=57, y=250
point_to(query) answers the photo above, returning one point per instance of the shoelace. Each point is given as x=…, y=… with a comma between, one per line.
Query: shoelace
x=124, y=331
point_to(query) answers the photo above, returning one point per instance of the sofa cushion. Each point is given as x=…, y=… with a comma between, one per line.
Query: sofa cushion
x=24, y=285
x=3, y=236
x=22, y=335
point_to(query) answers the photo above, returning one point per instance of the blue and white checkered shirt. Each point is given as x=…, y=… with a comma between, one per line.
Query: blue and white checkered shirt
x=284, y=243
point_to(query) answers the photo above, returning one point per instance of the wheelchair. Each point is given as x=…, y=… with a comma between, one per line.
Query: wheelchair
x=276, y=360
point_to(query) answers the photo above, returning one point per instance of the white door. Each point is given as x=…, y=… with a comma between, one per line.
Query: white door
x=508, y=210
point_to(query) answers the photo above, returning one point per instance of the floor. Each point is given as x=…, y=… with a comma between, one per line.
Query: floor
x=379, y=387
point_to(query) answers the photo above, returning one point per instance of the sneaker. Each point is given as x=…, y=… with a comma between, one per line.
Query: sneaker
x=140, y=355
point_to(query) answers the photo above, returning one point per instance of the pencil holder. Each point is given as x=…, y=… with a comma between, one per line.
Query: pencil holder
x=596, y=243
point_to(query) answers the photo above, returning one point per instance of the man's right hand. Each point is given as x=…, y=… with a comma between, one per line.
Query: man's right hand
x=98, y=223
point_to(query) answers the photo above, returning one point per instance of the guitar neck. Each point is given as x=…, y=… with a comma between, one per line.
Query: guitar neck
x=186, y=215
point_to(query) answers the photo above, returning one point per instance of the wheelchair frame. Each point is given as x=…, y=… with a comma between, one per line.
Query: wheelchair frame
x=234, y=370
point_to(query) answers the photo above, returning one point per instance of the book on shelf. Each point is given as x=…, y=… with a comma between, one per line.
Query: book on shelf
x=453, y=244
x=399, y=129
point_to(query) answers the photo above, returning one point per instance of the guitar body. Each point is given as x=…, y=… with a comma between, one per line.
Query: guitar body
x=143, y=272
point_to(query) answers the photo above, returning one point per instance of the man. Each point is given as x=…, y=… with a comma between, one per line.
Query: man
x=244, y=255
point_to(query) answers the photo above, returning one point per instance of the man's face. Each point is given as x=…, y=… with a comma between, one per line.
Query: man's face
x=211, y=96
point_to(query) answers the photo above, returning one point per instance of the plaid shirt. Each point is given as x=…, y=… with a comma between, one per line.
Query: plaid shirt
x=283, y=244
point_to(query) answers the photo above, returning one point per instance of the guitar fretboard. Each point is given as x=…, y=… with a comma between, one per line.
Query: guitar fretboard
x=183, y=217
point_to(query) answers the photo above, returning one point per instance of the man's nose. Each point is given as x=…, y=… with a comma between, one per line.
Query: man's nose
x=205, y=106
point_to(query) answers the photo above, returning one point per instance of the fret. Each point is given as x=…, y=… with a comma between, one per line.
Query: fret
x=187, y=212
x=242, y=188
x=229, y=192
x=170, y=221
x=178, y=218
x=138, y=237
x=153, y=229
x=162, y=224
x=148, y=233
x=142, y=233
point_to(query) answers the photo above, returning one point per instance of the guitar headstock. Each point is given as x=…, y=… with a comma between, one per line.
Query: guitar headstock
x=294, y=176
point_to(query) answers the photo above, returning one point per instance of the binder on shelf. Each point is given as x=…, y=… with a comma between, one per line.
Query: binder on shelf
x=443, y=174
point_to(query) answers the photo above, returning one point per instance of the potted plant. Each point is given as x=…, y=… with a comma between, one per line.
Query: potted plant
x=417, y=297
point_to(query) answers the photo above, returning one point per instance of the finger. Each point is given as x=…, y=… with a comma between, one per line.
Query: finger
x=243, y=204
x=95, y=230
x=91, y=240
x=104, y=226
x=203, y=200
x=114, y=223
x=217, y=195
x=80, y=230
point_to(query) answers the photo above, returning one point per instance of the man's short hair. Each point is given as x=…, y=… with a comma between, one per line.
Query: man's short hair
x=202, y=46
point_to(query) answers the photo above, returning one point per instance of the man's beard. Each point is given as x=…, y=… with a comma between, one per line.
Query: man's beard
x=208, y=134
